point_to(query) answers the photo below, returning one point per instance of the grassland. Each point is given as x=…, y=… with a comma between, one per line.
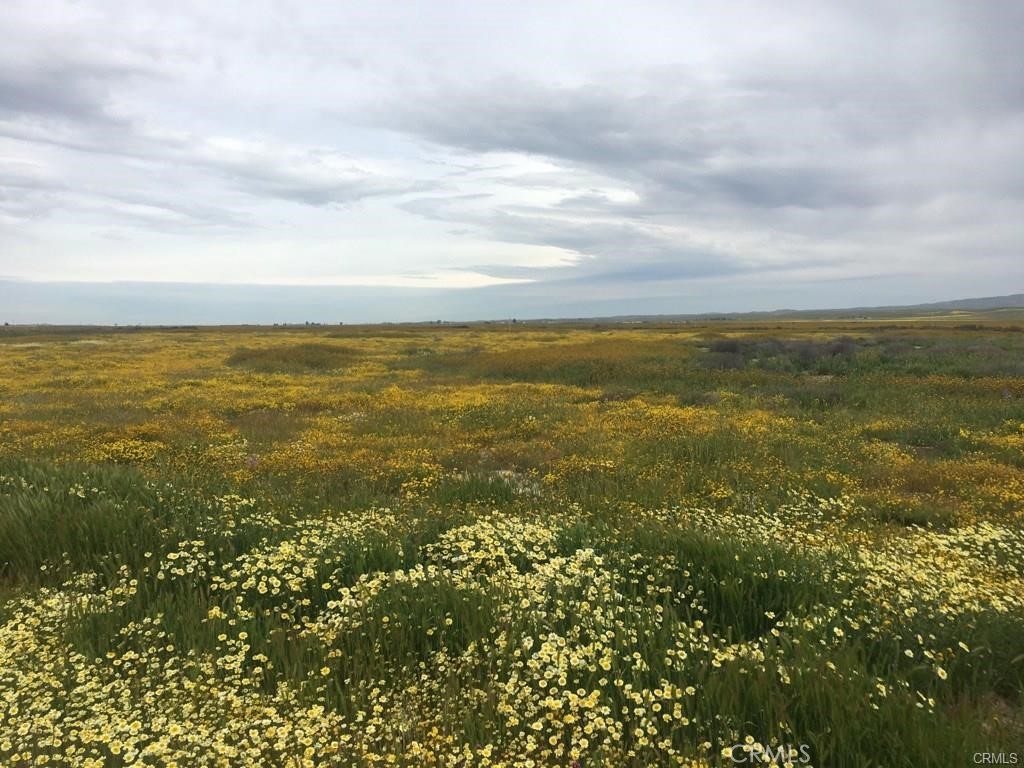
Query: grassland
x=525, y=545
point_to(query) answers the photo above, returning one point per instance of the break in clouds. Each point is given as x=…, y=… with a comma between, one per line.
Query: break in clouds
x=498, y=159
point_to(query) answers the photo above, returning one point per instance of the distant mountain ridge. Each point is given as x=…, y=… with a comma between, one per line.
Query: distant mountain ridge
x=1012, y=301
x=980, y=304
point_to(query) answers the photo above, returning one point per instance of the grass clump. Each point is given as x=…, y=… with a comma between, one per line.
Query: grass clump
x=308, y=357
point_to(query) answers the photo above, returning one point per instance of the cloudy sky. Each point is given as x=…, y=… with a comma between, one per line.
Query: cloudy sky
x=405, y=160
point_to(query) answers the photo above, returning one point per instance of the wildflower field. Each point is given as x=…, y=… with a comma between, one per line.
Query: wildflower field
x=513, y=545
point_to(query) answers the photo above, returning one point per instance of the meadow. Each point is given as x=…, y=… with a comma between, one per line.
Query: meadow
x=693, y=544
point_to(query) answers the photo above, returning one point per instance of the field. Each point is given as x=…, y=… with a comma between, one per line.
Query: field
x=513, y=545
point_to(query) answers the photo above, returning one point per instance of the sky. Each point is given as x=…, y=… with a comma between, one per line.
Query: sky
x=266, y=161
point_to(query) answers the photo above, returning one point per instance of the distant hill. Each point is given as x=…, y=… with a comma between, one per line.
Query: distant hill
x=1013, y=301
x=983, y=304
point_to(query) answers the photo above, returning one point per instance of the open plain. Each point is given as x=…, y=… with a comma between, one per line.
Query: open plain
x=513, y=544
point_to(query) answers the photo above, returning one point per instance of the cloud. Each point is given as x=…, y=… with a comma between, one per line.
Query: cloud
x=669, y=148
x=83, y=98
x=597, y=251
x=27, y=189
x=32, y=190
x=258, y=167
x=308, y=175
x=53, y=90
x=753, y=169
x=813, y=143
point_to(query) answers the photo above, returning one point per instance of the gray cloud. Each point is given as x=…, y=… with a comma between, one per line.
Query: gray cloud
x=47, y=91
x=74, y=85
x=307, y=175
x=815, y=143
x=606, y=251
x=26, y=190
x=303, y=175
x=32, y=191
x=672, y=146
x=69, y=100
x=801, y=153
